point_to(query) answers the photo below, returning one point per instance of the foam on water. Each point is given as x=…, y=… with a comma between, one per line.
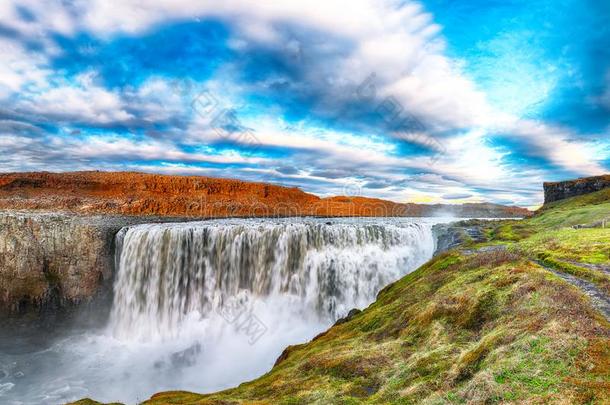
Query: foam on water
x=203, y=306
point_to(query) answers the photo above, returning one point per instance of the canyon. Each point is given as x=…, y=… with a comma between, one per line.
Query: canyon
x=192, y=298
x=172, y=299
x=57, y=230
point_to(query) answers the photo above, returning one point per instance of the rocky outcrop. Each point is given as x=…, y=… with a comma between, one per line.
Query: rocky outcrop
x=451, y=235
x=566, y=189
x=54, y=260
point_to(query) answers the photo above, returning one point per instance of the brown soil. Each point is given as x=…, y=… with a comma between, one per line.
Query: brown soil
x=130, y=193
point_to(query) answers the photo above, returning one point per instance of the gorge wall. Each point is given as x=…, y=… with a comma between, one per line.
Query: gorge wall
x=54, y=260
x=566, y=189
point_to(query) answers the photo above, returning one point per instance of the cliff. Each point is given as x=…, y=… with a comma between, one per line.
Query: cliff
x=126, y=193
x=566, y=189
x=48, y=261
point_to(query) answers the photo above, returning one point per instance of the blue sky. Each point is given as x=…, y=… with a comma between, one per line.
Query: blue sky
x=433, y=101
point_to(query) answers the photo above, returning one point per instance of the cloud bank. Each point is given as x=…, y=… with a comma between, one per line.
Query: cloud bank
x=389, y=96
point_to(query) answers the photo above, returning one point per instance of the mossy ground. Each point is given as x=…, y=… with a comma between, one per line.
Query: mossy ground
x=467, y=327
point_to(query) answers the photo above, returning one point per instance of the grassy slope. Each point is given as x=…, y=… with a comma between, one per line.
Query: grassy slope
x=465, y=328
x=557, y=244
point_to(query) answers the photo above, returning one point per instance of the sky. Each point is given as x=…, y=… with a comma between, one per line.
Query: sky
x=429, y=101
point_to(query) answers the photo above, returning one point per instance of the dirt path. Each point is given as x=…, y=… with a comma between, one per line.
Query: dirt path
x=595, y=267
x=600, y=301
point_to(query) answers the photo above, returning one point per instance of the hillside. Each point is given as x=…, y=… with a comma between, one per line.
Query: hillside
x=126, y=193
x=522, y=317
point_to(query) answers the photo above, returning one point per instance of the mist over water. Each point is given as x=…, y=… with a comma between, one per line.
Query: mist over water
x=203, y=306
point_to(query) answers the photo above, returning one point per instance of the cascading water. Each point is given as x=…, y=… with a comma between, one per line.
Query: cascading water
x=168, y=272
x=204, y=306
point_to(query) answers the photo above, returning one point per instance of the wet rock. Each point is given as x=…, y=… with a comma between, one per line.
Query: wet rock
x=449, y=236
x=6, y=387
x=599, y=299
x=485, y=249
x=352, y=313
x=603, y=223
x=591, y=266
x=187, y=357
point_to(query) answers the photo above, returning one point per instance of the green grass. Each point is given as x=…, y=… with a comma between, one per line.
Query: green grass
x=556, y=244
x=483, y=327
x=574, y=211
x=510, y=231
x=599, y=278
x=581, y=245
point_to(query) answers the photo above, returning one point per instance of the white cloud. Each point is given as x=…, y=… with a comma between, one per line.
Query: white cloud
x=50, y=15
x=559, y=146
x=158, y=100
x=78, y=102
x=55, y=148
x=395, y=39
x=19, y=68
x=114, y=147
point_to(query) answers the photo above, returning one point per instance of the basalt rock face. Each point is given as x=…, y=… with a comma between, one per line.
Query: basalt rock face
x=572, y=188
x=48, y=261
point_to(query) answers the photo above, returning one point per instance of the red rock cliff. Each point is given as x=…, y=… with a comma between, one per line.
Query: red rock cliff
x=141, y=194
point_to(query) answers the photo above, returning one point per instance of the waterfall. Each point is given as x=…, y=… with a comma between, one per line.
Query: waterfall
x=169, y=274
x=205, y=306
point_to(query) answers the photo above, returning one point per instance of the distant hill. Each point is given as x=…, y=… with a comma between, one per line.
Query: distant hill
x=142, y=194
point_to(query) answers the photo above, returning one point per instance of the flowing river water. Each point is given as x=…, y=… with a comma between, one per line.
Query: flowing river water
x=204, y=306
